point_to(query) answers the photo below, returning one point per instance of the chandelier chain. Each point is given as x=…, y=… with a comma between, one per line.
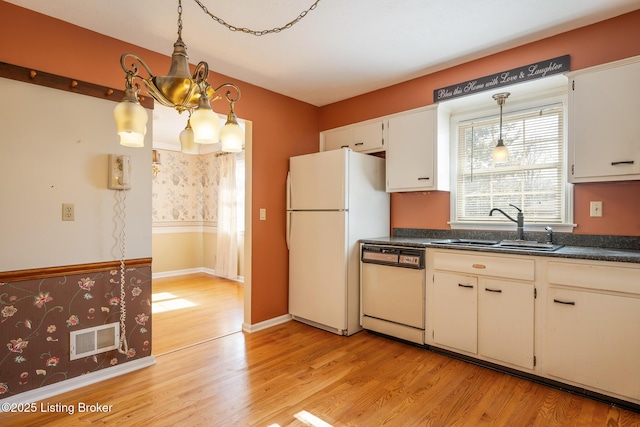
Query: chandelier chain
x=257, y=32
x=179, y=19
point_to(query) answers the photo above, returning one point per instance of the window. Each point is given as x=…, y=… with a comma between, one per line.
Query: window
x=533, y=179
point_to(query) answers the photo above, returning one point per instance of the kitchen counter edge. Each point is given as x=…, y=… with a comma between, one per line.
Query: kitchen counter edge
x=574, y=252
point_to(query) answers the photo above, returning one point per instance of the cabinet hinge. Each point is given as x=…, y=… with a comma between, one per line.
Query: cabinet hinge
x=535, y=293
x=573, y=85
x=572, y=166
x=535, y=361
x=433, y=334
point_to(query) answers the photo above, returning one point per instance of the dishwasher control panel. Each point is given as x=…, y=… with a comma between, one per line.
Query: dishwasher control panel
x=393, y=256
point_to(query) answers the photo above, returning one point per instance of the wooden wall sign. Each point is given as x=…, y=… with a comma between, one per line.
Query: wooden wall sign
x=504, y=78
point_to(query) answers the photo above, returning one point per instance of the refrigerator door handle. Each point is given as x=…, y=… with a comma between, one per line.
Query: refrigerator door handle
x=288, y=230
x=288, y=190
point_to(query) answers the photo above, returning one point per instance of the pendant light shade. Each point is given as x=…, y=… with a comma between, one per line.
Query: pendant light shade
x=187, y=143
x=500, y=151
x=131, y=119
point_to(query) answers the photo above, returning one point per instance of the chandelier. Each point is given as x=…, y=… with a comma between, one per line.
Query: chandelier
x=180, y=90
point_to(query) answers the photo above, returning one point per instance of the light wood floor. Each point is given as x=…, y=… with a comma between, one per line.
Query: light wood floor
x=211, y=308
x=277, y=376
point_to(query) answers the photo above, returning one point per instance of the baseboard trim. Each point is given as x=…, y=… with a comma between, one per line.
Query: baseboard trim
x=266, y=324
x=79, y=382
x=174, y=273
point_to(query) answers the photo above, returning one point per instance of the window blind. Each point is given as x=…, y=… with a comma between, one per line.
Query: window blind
x=532, y=177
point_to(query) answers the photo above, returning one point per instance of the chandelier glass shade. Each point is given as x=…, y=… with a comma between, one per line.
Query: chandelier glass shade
x=187, y=143
x=179, y=89
x=232, y=135
x=131, y=118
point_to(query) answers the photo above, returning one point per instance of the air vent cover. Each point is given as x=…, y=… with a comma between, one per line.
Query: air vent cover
x=90, y=341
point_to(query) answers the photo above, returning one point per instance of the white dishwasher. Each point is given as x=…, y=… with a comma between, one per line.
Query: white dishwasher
x=392, y=291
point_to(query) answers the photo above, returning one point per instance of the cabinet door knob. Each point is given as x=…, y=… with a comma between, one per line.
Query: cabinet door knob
x=557, y=301
x=344, y=146
x=498, y=291
x=359, y=143
x=465, y=286
x=423, y=178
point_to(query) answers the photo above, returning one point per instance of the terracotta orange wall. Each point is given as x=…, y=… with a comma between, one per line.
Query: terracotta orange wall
x=603, y=42
x=282, y=127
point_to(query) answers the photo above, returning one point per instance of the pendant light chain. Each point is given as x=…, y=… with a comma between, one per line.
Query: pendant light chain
x=260, y=32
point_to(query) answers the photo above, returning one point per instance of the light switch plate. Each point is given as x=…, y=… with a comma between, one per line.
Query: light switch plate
x=595, y=209
x=263, y=214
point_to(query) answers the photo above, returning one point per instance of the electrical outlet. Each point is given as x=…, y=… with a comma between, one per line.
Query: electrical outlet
x=68, y=212
x=595, y=209
x=263, y=214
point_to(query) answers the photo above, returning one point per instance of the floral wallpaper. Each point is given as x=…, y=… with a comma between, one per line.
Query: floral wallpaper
x=185, y=188
x=37, y=316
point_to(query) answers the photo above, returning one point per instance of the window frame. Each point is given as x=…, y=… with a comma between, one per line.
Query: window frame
x=486, y=111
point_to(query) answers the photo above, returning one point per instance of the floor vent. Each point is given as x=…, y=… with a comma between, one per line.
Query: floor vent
x=90, y=341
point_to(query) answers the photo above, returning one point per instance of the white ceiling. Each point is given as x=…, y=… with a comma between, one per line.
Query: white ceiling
x=341, y=49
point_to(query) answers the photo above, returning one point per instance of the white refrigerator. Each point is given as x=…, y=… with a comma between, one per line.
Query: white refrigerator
x=334, y=198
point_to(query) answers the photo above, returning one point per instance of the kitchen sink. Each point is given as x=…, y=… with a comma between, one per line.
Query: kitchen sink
x=467, y=242
x=528, y=244
x=524, y=245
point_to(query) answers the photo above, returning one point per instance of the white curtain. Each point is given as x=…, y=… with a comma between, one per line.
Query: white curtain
x=227, y=249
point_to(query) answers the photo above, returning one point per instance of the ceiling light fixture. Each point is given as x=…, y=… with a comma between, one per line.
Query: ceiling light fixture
x=500, y=152
x=182, y=91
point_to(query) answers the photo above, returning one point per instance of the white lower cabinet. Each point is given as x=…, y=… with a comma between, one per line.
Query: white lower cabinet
x=593, y=333
x=583, y=331
x=486, y=316
x=455, y=311
x=506, y=321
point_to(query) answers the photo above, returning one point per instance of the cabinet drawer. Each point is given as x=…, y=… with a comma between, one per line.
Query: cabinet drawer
x=485, y=265
x=603, y=277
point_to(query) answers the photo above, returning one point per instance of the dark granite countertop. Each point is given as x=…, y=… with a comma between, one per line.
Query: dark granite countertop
x=597, y=248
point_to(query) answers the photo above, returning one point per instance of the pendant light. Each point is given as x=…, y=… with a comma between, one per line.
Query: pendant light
x=500, y=152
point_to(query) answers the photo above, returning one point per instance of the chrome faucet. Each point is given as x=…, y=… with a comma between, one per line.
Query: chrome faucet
x=549, y=231
x=519, y=221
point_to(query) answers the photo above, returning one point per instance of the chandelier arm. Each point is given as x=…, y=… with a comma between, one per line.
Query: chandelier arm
x=134, y=67
x=201, y=73
x=257, y=32
x=228, y=94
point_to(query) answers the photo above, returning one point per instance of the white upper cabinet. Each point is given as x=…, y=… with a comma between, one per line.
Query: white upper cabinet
x=604, y=122
x=418, y=151
x=367, y=137
x=336, y=139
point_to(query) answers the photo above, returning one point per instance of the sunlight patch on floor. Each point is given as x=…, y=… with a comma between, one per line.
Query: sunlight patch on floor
x=166, y=301
x=307, y=419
